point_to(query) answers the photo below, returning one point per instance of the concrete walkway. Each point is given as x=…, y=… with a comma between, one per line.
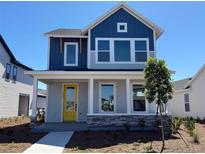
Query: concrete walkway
x=53, y=142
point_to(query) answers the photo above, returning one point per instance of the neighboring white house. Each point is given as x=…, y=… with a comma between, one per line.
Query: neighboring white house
x=189, y=96
x=16, y=88
x=41, y=99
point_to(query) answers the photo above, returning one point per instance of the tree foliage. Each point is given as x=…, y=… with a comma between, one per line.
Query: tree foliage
x=158, y=87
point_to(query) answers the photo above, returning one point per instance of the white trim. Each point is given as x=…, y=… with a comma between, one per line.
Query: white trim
x=88, y=49
x=47, y=75
x=122, y=24
x=100, y=96
x=62, y=106
x=48, y=57
x=47, y=91
x=146, y=103
x=65, y=53
x=111, y=50
x=66, y=36
x=34, y=101
x=90, y=96
x=121, y=114
x=127, y=8
x=128, y=96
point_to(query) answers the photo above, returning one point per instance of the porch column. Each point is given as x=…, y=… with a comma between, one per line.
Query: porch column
x=90, y=96
x=128, y=96
x=34, y=100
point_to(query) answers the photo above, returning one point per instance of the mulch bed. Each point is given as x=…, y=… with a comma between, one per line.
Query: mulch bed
x=135, y=142
x=16, y=136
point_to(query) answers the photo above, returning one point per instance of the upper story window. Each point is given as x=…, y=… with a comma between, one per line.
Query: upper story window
x=140, y=51
x=122, y=50
x=8, y=71
x=122, y=27
x=186, y=103
x=14, y=73
x=103, y=50
x=71, y=54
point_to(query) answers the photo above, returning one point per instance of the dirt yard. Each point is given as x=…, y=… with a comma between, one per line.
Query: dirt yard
x=127, y=142
x=15, y=135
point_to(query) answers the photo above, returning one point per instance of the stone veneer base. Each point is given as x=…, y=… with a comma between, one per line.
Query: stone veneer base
x=131, y=122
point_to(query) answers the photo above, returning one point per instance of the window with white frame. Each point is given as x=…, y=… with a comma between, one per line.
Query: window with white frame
x=107, y=97
x=139, y=103
x=70, y=54
x=186, y=103
x=103, y=50
x=121, y=27
x=140, y=51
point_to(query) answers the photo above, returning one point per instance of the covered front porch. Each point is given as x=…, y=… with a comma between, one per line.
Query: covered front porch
x=104, y=99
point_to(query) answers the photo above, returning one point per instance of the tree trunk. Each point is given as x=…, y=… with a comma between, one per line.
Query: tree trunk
x=162, y=129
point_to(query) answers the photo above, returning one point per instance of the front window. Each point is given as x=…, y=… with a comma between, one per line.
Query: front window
x=186, y=103
x=140, y=51
x=139, y=103
x=107, y=98
x=70, y=99
x=103, y=51
x=71, y=54
x=122, y=50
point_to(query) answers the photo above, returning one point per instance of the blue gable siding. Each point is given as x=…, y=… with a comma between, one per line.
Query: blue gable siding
x=57, y=56
x=135, y=28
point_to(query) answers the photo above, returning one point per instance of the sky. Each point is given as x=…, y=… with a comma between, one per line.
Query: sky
x=182, y=45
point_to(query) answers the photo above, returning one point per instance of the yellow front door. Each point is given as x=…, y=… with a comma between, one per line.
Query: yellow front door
x=70, y=102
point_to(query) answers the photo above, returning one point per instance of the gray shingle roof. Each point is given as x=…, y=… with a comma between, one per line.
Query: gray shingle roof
x=63, y=31
x=180, y=84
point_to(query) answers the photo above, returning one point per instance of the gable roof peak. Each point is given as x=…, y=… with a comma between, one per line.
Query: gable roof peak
x=130, y=10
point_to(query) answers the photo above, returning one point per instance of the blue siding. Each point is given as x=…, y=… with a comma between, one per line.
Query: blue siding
x=57, y=56
x=135, y=28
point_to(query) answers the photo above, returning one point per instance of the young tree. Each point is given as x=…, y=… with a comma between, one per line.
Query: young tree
x=158, y=87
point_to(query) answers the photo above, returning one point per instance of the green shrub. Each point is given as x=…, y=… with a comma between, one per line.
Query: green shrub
x=189, y=123
x=177, y=122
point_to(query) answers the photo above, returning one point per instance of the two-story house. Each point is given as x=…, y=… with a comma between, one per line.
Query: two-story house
x=95, y=74
x=16, y=88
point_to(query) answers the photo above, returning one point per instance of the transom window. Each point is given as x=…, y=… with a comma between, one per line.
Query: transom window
x=107, y=97
x=186, y=103
x=121, y=27
x=71, y=54
x=139, y=103
x=121, y=50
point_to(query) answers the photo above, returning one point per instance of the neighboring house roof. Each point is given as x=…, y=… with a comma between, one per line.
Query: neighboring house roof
x=186, y=83
x=195, y=76
x=133, y=12
x=180, y=84
x=82, y=33
x=61, y=32
x=42, y=93
x=13, y=59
